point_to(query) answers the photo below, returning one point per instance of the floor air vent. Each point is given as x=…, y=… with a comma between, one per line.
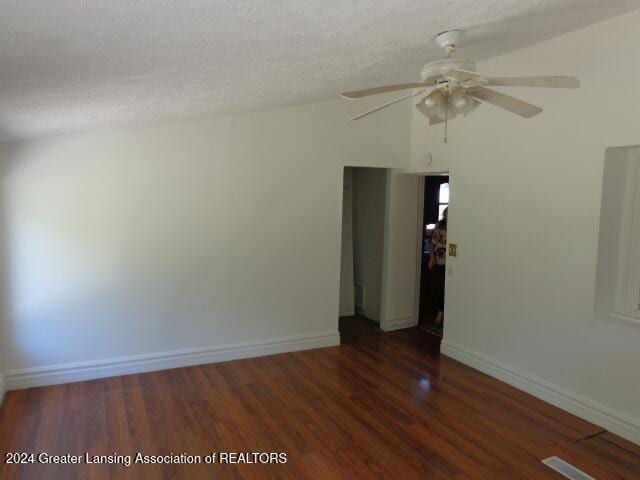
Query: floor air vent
x=566, y=469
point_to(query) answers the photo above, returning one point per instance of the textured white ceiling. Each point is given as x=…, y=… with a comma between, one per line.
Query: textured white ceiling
x=78, y=64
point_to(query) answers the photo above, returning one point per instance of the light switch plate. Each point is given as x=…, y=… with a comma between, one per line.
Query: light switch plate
x=453, y=249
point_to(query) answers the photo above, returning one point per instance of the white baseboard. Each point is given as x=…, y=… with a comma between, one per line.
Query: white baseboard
x=75, y=372
x=605, y=417
x=399, y=323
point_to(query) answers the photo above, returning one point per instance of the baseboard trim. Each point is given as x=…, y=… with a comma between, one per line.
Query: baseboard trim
x=605, y=417
x=75, y=372
x=399, y=323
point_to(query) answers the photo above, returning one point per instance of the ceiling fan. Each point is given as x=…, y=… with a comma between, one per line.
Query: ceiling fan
x=452, y=86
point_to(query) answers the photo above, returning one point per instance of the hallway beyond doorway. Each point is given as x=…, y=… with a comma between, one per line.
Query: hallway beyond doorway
x=432, y=278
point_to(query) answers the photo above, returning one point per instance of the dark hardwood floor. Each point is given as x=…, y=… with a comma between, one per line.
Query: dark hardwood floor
x=378, y=406
x=356, y=325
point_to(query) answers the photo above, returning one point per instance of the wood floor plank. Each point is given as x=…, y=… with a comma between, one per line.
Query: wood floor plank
x=378, y=406
x=621, y=443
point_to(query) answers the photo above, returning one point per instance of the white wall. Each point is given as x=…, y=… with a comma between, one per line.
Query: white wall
x=3, y=293
x=178, y=237
x=369, y=192
x=525, y=208
x=616, y=284
x=401, y=263
x=347, y=298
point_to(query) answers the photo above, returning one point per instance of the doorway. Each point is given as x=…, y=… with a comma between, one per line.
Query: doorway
x=363, y=238
x=431, y=291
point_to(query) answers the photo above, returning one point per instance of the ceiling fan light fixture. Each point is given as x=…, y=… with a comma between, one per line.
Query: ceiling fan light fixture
x=459, y=100
x=434, y=101
x=430, y=103
x=460, y=103
x=471, y=106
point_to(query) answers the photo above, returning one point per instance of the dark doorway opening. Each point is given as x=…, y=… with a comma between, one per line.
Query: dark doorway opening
x=436, y=200
x=362, y=252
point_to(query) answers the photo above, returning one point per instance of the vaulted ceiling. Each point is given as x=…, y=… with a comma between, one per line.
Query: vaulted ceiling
x=78, y=64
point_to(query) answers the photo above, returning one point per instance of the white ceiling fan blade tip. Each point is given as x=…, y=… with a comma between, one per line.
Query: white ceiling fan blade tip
x=384, y=105
x=378, y=90
x=549, y=81
x=506, y=102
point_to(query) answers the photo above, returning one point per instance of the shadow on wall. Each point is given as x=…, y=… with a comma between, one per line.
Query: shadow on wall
x=68, y=277
x=48, y=303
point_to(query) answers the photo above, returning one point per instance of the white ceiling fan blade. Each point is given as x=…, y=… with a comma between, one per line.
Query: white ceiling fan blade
x=462, y=75
x=380, y=107
x=378, y=90
x=512, y=104
x=548, y=81
x=384, y=105
x=553, y=81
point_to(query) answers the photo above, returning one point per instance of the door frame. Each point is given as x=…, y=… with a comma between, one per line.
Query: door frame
x=384, y=320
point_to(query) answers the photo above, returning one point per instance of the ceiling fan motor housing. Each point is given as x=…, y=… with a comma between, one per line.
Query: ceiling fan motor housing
x=438, y=70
